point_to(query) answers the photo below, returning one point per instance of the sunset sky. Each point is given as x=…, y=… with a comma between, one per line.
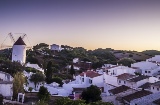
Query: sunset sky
x=117, y=24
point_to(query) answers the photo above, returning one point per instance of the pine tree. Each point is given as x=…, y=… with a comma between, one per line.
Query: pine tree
x=49, y=72
x=72, y=71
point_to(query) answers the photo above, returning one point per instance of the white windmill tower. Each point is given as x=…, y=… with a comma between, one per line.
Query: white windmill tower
x=18, y=49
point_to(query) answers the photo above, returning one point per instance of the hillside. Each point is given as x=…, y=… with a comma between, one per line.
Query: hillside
x=137, y=56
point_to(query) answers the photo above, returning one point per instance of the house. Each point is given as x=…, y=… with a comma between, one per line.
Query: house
x=35, y=66
x=137, y=81
x=151, y=99
x=122, y=79
x=6, y=85
x=118, y=70
x=147, y=68
x=55, y=47
x=129, y=98
x=117, y=93
x=90, y=77
x=156, y=59
x=84, y=80
x=155, y=87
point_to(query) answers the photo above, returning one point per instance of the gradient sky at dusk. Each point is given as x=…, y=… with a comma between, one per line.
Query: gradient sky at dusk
x=121, y=24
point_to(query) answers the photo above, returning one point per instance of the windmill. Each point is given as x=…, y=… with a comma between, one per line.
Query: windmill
x=18, y=49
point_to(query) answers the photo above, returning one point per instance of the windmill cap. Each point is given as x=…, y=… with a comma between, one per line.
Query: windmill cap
x=19, y=42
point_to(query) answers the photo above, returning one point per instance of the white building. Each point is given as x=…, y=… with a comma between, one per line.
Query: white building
x=55, y=47
x=146, y=100
x=75, y=60
x=155, y=87
x=156, y=59
x=19, y=51
x=34, y=66
x=148, y=68
x=6, y=85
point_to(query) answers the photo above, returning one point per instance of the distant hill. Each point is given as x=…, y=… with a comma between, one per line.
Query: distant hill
x=151, y=52
x=137, y=56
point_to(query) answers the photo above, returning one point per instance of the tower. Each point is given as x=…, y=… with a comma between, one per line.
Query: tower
x=19, y=51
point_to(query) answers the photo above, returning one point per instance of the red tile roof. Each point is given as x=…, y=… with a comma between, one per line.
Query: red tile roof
x=125, y=76
x=119, y=89
x=136, y=95
x=90, y=74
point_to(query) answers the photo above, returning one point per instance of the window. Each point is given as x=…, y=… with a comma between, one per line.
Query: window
x=157, y=89
x=82, y=79
x=149, y=71
x=90, y=81
x=124, y=82
x=145, y=71
x=119, y=81
x=153, y=87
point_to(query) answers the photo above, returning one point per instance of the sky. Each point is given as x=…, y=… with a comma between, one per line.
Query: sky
x=92, y=24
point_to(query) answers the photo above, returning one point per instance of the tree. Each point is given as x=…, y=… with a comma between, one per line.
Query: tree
x=72, y=71
x=38, y=77
x=49, y=72
x=18, y=83
x=43, y=94
x=57, y=80
x=100, y=103
x=126, y=61
x=67, y=101
x=30, y=89
x=41, y=46
x=91, y=94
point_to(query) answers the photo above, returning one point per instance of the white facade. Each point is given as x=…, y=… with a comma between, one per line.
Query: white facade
x=34, y=66
x=118, y=70
x=156, y=58
x=148, y=68
x=146, y=100
x=6, y=85
x=19, y=53
x=75, y=60
x=55, y=47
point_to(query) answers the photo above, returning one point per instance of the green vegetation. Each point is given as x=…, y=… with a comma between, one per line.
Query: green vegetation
x=151, y=52
x=67, y=101
x=72, y=71
x=57, y=80
x=91, y=94
x=18, y=83
x=43, y=94
x=126, y=61
x=10, y=67
x=36, y=78
x=49, y=72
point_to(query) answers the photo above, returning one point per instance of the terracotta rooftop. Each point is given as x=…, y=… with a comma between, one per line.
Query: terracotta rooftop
x=138, y=78
x=157, y=102
x=19, y=42
x=136, y=95
x=156, y=83
x=125, y=76
x=145, y=86
x=90, y=74
x=119, y=89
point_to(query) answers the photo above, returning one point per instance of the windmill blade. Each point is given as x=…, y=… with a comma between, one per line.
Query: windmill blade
x=23, y=36
x=12, y=38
